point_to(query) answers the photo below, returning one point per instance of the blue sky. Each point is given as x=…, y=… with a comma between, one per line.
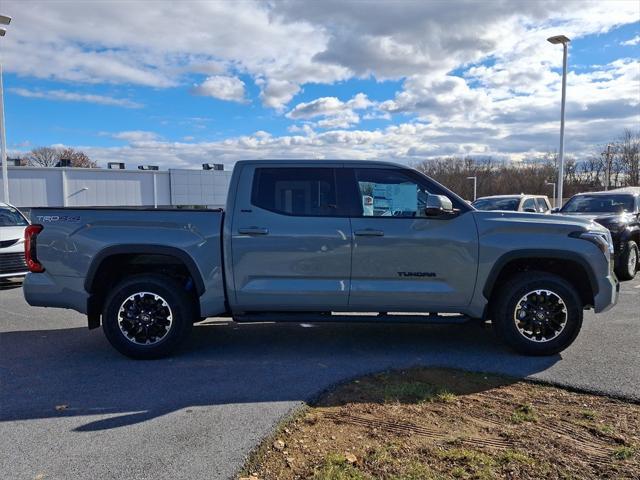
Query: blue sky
x=332, y=80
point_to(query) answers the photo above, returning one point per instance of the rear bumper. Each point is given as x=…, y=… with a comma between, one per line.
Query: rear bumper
x=41, y=290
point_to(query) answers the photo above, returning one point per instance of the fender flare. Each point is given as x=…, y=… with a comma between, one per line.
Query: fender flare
x=150, y=249
x=542, y=254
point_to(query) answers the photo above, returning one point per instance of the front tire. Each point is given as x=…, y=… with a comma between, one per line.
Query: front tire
x=537, y=313
x=147, y=316
x=628, y=261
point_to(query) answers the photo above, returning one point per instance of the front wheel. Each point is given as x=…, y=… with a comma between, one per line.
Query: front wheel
x=538, y=313
x=628, y=261
x=147, y=316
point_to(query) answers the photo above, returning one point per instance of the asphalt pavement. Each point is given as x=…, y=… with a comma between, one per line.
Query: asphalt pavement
x=72, y=407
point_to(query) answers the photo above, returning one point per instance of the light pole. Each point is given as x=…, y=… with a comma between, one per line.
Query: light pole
x=565, y=42
x=554, y=192
x=475, y=186
x=4, y=20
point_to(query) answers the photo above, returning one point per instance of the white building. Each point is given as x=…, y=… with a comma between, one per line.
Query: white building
x=74, y=187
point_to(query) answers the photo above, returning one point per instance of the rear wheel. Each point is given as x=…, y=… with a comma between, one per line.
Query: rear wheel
x=147, y=316
x=628, y=261
x=538, y=313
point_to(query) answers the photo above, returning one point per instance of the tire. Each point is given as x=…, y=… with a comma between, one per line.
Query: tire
x=627, y=266
x=147, y=316
x=556, y=300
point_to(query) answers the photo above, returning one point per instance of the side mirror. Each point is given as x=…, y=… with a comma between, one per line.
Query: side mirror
x=555, y=210
x=438, y=205
x=530, y=210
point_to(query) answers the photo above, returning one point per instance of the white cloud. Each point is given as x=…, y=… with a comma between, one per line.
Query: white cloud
x=632, y=41
x=134, y=136
x=221, y=87
x=66, y=96
x=333, y=112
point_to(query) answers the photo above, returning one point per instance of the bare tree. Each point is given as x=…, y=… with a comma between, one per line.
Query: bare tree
x=43, y=157
x=50, y=156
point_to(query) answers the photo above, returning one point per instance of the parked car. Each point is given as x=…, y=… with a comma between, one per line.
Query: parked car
x=296, y=244
x=514, y=203
x=12, y=226
x=619, y=211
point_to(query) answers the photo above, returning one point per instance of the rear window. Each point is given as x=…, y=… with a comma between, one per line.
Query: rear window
x=296, y=191
x=497, y=203
x=11, y=217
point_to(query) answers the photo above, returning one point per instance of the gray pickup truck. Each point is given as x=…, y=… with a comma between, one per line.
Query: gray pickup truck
x=318, y=241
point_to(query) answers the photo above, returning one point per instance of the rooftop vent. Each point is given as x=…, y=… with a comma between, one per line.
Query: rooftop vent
x=63, y=162
x=212, y=166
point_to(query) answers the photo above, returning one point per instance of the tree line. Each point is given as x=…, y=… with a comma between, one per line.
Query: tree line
x=51, y=157
x=614, y=165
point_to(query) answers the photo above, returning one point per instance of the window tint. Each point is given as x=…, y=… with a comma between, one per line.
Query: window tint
x=10, y=217
x=510, y=204
x=599, y=204
x=529, y=203
x=296, y=191
x=542, y=205
x=390, y=193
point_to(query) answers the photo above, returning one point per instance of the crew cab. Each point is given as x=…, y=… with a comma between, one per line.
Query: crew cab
x=300, y=241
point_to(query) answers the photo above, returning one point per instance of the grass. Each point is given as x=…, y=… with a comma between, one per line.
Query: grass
x=414, y=392
x=524, y=413
x=438, y=424
x=336, y=467
x=623, y=452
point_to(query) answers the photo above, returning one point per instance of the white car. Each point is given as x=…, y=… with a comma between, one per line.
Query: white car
x=12, y=226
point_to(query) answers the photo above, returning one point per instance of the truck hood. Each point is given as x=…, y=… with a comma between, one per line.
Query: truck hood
x=537, y=222
x=603, y=218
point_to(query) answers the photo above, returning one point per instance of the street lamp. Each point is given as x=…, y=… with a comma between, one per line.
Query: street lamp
x=554, y=192
x=561, y=39
x=4, y=20
x=475, y=185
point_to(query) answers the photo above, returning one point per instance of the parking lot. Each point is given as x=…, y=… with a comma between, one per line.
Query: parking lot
x=72, y=407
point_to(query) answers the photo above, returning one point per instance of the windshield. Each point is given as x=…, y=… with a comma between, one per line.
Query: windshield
x=11, y=217
x=497, y=204
x=599, y=204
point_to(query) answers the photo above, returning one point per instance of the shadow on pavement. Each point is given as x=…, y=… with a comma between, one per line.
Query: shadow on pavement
x=226, y=364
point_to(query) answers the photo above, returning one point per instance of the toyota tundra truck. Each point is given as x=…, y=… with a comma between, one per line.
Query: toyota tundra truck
x=319, y=241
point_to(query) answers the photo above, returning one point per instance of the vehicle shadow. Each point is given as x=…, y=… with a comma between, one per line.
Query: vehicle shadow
x=78, y=372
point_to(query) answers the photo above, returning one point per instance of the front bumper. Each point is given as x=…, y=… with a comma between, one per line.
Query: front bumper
x=608, y=288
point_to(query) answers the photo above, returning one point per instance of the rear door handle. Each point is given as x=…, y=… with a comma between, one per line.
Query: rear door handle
x=369, y=232
x=253, y=231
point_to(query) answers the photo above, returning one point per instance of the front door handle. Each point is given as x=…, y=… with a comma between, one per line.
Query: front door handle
x=253, y=231
x=369, y=232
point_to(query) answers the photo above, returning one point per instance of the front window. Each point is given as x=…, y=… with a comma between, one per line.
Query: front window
x=11, y=217
x=390, y=193
x=497, y=203
x=599, y=204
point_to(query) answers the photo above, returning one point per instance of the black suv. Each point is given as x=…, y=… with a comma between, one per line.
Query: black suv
x=619, y=211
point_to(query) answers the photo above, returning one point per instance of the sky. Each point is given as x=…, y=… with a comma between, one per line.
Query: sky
x=177, y=84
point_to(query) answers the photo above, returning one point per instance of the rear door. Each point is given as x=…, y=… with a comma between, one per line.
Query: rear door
x=291, y=239
x=403, y=260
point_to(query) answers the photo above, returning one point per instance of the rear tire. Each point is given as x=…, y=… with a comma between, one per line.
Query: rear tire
x=537, y=313
x=147, y=316
x=628, y=261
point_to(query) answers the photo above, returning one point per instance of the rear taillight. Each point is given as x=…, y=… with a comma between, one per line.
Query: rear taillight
x=30, y=251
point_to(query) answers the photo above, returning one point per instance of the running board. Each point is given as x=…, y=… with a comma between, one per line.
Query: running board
x=303, y=317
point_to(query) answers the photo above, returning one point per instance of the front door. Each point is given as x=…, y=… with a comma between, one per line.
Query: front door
x=291, y=240
x=402, y=259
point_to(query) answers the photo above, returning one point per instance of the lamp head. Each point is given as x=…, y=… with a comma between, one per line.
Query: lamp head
x=558, y=39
